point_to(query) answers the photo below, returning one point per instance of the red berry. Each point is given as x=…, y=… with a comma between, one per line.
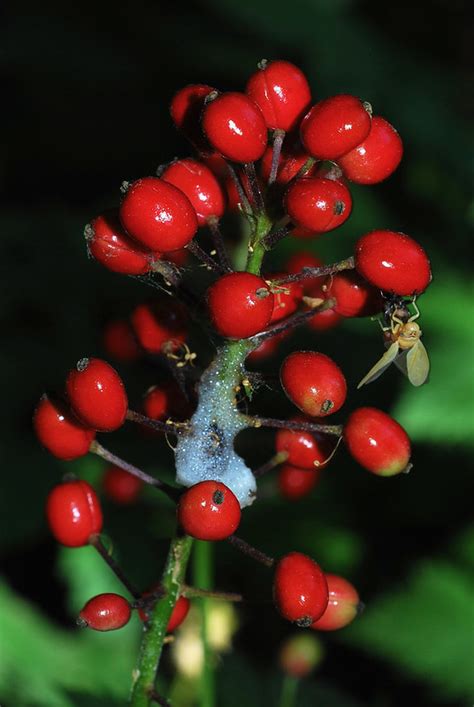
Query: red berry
x=186, y=108
x=59, y=431
x=119, y=342
x=267, y=348
x=200, y=186
x=282, y=93
x=343, y=606
x=325, y=319
x=209, y=511
x=97, y=394
x=112, y=247
x=286, y=298
x=157, y=323
x=317, y=204
x=291, y=160
x=393, y=262
x=165, y=400
x=300, y=589
x=355, y=297
x=105, y=612
x=240, y=305
x=335, y=126
x=158, y=215
x=235, y=127
x=306, y=450
x=303, y=259
x=179, y=613
x=377, y=157
x=120, y=486
x=74, y=513
x=377, y=442
x=313, y=382
x=295, y=483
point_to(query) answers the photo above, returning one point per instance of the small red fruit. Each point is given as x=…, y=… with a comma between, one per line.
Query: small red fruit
x=178, y=614
x=105, y=612
x=120, y=486
x=377, y=157
x=344, y=605
x=282, y=93
x=320, y=205
x=165, y=400
x=286, y=298
x=300, y=589
x=156, y=323
x=209, y=511
x=313, y=382
x=306, y=450
x=240, y=305
x=119, y=342
x=158, y=215
x=235, y=127
x=97, y=394
x=73, y=512
x=295, y=483
x=335, y=126
x=59, y=431
x=292, y=158
x=355, y=297
x=303, y=259
x=111, y=246
x=200, y=186
x=377, y=442
x=393, y=262
x=186, y=108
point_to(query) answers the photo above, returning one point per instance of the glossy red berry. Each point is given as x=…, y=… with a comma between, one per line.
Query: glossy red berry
x=60, y=432
x=120, y=486
x=286, y=298
x=355, y=297
x=300, y=589
x=179, y=613
x=235, y=127
x=158, y=215
x=240, y=305
x=320, y=205
x=73, y=512
x=105, y=612
x=209, y=511
x=119, y=342
x=306, y=450
x=335, y=126
x=295, y=483
x=291, y=161
x=377, y=442
x=112, y=247
x=200, y=186
x=282, y=93
x=97, y=395
x=313, y=382
x=165, y=400
x=344, y=605
x=157, y=323
x=186, y=108
x=393, y=262
x=377, y=157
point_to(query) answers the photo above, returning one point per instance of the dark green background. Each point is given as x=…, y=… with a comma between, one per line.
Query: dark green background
x=85, y=94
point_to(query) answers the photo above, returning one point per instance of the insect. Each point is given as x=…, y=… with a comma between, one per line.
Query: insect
x=402, y=339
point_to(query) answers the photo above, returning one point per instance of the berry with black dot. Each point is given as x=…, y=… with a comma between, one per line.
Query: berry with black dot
x=105, y=612
x=313, y=382
x=240, y=305
x=209, y=511
x=300, y=589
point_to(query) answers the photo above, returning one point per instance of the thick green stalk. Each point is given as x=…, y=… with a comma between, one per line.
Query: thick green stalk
x=203, y=578
x=288, y=691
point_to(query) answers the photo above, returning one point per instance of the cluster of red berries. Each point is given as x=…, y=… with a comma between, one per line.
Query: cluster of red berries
x=299, y=188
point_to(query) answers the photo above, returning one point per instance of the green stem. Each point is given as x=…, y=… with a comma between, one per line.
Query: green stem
x=155, y=631
x=203, y=577
x=288, y=691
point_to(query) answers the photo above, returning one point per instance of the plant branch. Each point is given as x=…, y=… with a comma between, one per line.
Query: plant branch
x=257, y=196
x=166, y=427
x=247, y=209
x=257, y=422
x=219, y=245
x=191, y=592
x=293, y=321
x=347, y=264
x=203, y=575
x=97, y=543
x=278, y=137
x=271, y=464
x=206, y=259
x=251, y=551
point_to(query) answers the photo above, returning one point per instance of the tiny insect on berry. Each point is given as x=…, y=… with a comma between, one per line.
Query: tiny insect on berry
x=119, y=342
x=158, y=215
x=97, y=395
x=156, y=323
x=59, y=431
x=295, y=483
x=209, y=511
x=200, y=186
x=343, y=606
x=355, y=297
x=335, y=126
x=393, y=262
x=186, y=107
x=306, y=450
x=240, y=305
x=74, y=513
x=300, y=589
x=377, y=442
x=313, y=382
x=112, y=247
x=281, y=91
x=377, y=157
x=317, y=204
x=235, y=127
x=120, y=486
x=105, y=612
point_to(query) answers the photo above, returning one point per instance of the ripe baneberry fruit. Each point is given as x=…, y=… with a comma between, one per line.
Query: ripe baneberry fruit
x=240, y=305
x=335, y=126
x=186, y=108
x=112, y=247
x=200, y=186
x=292, y=159
x=73, y=512
x=319, y=205
x=156, y=323
x=120, y=486
x=377, y=157
x=105, y=612
x=209, y=511
x=286, y=298
x=306, y=450
x=300, y=589
x=355, y=297
x=295, y=483
x=59, y=431
x=303, y=259
x=344, y=605
x=179, y=613
x=313, y=382
x=119, y=341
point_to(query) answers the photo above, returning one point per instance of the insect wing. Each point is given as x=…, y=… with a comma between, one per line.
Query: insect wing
x=418, y=364
x=377, y=370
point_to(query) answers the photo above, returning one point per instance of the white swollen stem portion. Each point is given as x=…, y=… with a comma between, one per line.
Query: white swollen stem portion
x=206, y=452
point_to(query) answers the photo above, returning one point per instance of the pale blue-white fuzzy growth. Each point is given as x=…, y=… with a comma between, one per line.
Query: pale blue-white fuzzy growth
x=206, y=452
